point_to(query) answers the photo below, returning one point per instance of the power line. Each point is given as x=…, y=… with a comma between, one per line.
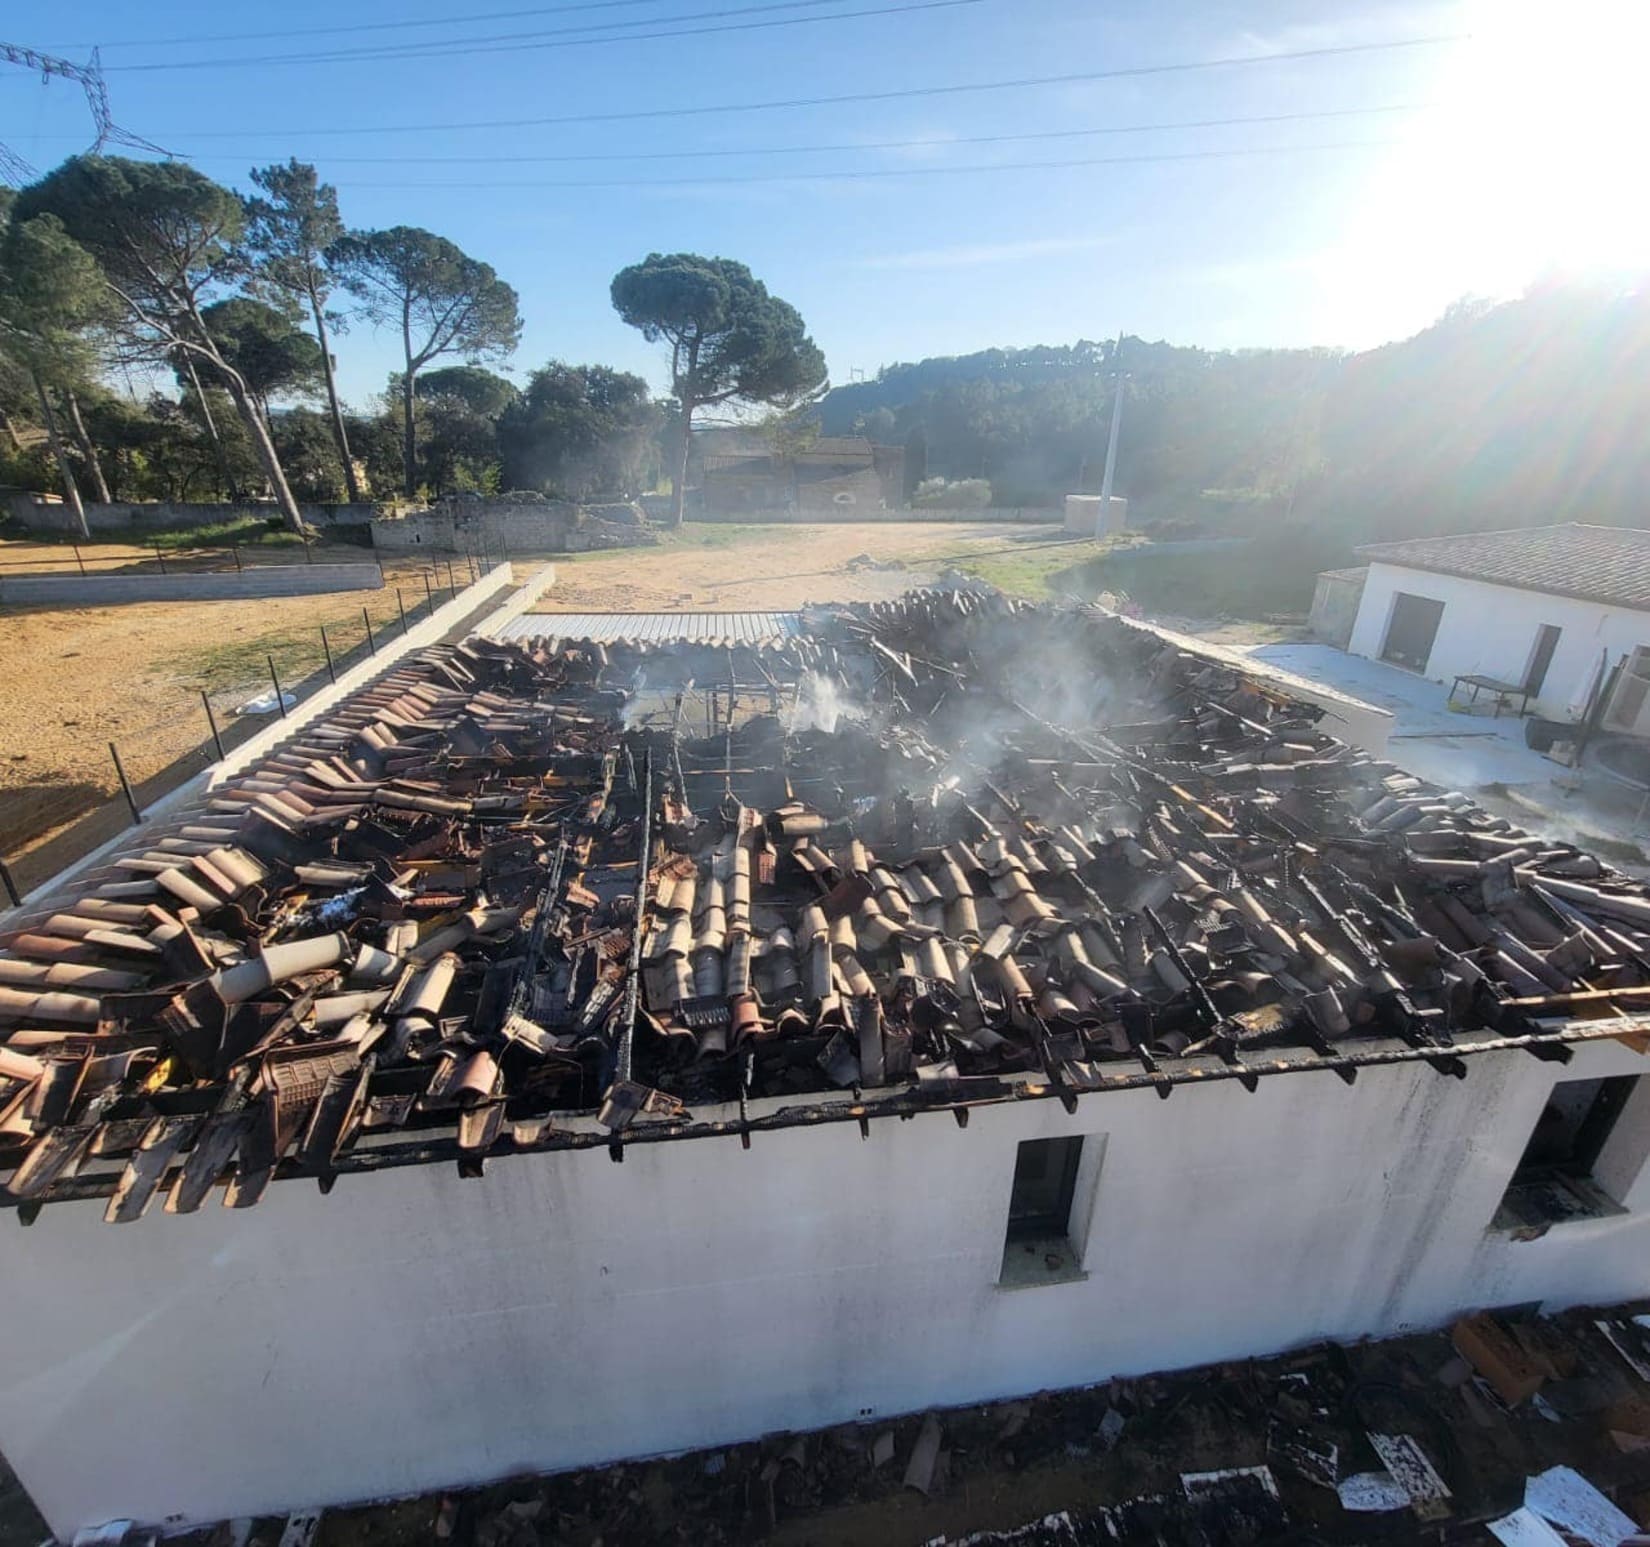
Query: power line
x=899, y=94
x=884, y=172
x=444, y=51
x=378, y=26
x=937, y=142
x=482, y=44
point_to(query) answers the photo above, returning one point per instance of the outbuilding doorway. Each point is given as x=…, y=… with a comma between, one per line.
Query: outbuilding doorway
x=1411, y=630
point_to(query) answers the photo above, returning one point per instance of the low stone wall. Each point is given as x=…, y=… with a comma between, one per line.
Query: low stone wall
x=53, y=516
x=221, y=586
x=538, y=527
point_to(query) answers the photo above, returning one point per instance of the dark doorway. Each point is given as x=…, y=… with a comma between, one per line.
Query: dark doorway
x=1411, y=631
x=1045, y=1178
x=1546, y=641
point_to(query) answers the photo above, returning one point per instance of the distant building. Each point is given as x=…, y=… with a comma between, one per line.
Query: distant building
x=738, y=471
x=1542, y=610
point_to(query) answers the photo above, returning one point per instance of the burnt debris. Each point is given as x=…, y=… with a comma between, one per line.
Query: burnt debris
x=933, y=853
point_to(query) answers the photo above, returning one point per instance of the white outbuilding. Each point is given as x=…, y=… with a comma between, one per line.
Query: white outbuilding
x=1536, y=616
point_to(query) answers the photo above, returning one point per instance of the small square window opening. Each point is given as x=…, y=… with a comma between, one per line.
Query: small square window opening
x=1554, y=1181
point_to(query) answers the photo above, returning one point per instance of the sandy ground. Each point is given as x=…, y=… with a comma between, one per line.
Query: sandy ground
x=78, y=678
x=747, y=569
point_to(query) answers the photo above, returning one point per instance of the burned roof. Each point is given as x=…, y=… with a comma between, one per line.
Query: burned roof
x=1591, y=563
x=953, y=850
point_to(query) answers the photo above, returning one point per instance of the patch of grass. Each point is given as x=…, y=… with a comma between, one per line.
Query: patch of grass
x=1033, y=566
x=237, y=662
x=722, y=534
x=242, y=660
x=243, y=531
x=1033, y=575
x=1265, y=581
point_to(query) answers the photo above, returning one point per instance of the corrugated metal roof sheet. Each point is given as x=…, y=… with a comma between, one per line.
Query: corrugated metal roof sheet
x=745, y=628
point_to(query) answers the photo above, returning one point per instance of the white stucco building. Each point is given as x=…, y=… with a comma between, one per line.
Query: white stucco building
x=414, y=1330
x=1548, y=609
x=421, y=1321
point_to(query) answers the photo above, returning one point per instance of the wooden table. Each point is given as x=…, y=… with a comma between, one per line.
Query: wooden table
x=1504, y=692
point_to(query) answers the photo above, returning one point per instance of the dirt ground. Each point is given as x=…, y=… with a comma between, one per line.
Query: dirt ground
x=78, y=678
x=741, y=568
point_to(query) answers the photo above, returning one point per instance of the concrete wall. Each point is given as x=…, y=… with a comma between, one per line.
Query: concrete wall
x=1491, y=629
x=414, y=1331
x=530, y=528
x=43, y=515
x=1335, y=602
x=1082, y=515
x=218, y=586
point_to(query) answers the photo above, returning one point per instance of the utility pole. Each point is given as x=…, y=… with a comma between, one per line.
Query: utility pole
x=1103, y=519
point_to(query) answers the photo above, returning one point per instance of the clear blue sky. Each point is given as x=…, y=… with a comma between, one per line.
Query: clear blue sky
x=1508, y=158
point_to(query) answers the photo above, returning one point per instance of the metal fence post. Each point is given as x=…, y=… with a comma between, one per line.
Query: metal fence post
x=161, y=557
x=372, y=649
x=429, y=595
x=309, y=558
x=452, y=584
x=125, y=785
x=235, y=549
x=77, y=558
x=212, y=720
x=332, y=676
x=469, y=559
x=280, y=702
x=401, y=607
x=10, y=885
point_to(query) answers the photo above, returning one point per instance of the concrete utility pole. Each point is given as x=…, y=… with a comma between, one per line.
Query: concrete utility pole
x=1103, y=520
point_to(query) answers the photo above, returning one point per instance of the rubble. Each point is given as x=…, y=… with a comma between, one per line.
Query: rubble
x=934, y=853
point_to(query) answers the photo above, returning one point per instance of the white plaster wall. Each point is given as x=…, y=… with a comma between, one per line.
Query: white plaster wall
x=1491, y=629
x=413, y=1330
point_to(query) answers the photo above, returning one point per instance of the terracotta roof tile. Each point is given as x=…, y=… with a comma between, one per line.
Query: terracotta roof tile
x=1593, y=563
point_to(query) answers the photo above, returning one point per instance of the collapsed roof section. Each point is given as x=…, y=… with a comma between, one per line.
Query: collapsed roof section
x=947, y=851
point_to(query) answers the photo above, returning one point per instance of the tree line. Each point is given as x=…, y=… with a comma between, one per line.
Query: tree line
x=1497, y=415
x=110, y=265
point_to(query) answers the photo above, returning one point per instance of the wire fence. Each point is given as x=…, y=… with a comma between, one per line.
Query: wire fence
x=152, y=558
x=45, y=825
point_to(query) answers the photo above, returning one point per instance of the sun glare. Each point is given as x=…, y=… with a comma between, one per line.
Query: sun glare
x=1548, y=113
x=1527, y=166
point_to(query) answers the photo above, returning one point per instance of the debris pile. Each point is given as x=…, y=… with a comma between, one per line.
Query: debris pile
x=938, y=852
x=1147, y=870
x=356, y=938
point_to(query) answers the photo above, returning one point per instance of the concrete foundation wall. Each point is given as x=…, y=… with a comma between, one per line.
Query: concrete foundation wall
x=41, y=515
x=414, y=1330
x=219, y=586
x=1491, y=630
